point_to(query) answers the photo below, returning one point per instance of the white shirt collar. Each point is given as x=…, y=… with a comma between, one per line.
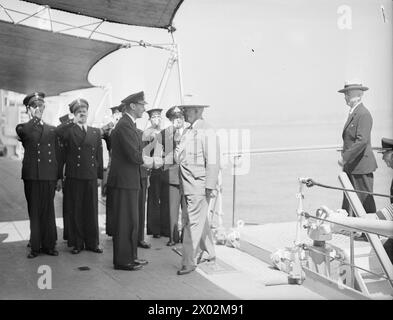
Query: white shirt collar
x=354, y=107
x=132, y=118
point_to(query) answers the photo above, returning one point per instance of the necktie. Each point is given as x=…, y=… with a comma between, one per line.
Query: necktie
x=83, y=129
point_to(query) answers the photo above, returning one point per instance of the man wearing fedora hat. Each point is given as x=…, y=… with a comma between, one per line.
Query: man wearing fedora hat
x=83, y=166
x=357, y=157
x=198, y=156
x=41, y=174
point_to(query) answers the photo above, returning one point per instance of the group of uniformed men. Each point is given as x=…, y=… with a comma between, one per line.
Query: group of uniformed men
x=173, y=168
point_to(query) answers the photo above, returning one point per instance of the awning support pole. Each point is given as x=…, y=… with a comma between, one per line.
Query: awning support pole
x=179, y=69
x=164, y=80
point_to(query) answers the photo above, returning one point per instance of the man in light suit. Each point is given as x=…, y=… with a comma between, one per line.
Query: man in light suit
x=198, y=156
x=358, y=159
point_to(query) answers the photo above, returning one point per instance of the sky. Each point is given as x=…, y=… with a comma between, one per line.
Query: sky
x=269, y=66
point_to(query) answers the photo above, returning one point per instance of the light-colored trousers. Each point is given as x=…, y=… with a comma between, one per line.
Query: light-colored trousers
x=197, y=235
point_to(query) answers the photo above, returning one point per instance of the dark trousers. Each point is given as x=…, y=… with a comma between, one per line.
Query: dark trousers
x=108, y=212
x=157, y=207
x=66, y=215
x=82, y=202
x=142, y=209
x=175, y=202
x=39, y=196
x=362, y=182
x=125, y=225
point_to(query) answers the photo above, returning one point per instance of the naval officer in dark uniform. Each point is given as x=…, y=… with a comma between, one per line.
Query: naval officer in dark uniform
x=145, y=171
x=66, y=216
x=387, y=146
x=157, y=199
x=124, y=182
x=106, y=136
x=170, y=138
x=83, y=166
x=41, y=175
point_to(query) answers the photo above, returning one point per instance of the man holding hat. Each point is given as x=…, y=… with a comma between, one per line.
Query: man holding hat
x=83, y=166
x=157, y=203
x=170, y=138
x=124, y=182
x=198, y=155
x=358, y=159
x=41, y=174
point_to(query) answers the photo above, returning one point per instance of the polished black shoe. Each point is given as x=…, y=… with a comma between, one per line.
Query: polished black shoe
x=96, y=250
x=76, y=250
x=50, y=252
x=144, y=245
x=128, y=267
x=185, y=270
x=170, y=243
x=32, y=255
x=157, y=236
x=141, y=262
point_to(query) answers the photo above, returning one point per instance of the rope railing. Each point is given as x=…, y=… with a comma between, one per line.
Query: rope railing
x=310, y=183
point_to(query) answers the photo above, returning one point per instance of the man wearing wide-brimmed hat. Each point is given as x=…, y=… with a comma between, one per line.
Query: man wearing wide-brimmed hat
x=358, y=159
x=41, y=174
x=83, y=166
x=198, y=156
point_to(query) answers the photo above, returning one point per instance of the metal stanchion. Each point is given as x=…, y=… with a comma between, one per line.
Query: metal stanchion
x=235, y=160
x=352, y=253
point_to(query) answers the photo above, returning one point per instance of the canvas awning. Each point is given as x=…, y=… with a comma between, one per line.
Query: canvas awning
x=33, y=59
x=145, y=13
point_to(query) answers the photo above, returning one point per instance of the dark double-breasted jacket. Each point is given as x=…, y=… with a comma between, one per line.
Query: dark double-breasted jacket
x=42, y=157
x=126, y=152
x=82, y=151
